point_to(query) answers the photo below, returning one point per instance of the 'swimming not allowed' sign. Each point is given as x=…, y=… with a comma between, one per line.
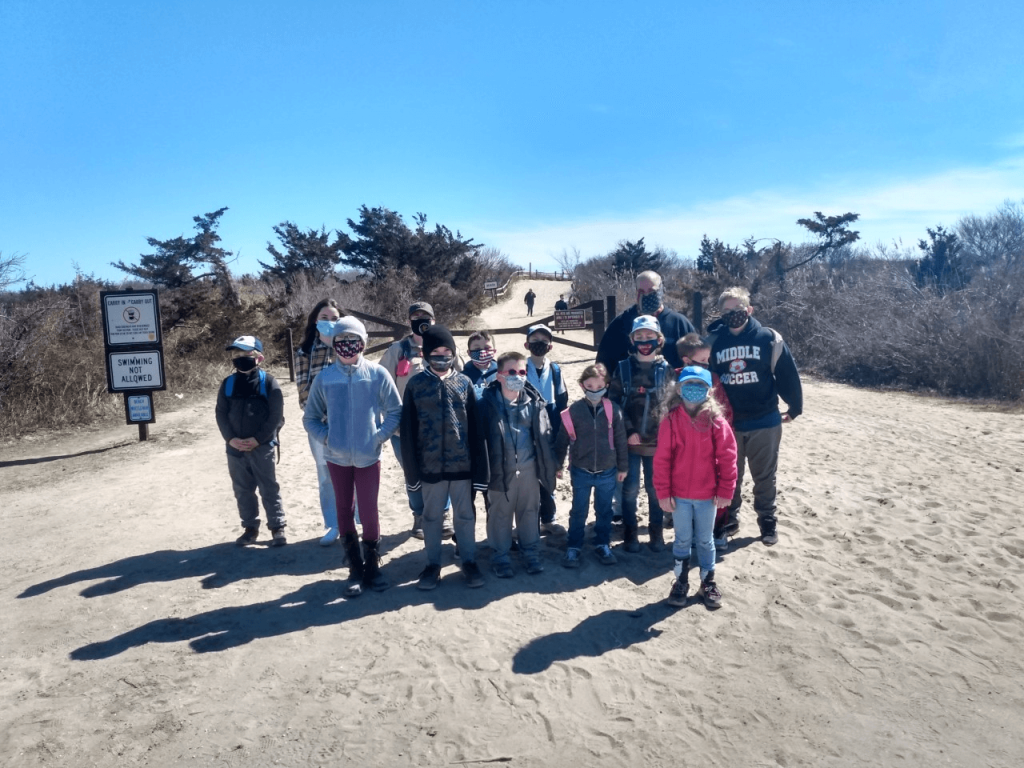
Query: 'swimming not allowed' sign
x=127, y=371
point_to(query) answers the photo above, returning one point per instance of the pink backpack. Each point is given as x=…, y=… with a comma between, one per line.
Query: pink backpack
x=571, y=428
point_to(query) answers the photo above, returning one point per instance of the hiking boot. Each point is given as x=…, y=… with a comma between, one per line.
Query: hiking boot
x=768, y=535
x=572, y=558
x=677, y=595
x=630, y=542
x=552, y=529
x=329, y=538
x=279, y=539
x=429, y=577
x=249, y=536
x=605, y=555
x=616, y=519
x=656, y=534
x=503, y=570
x=417, y=527
x=355, y=566
x=534, y=566
x=709, y=592
x=447, y=530
x=372, y=576
x=472, y=573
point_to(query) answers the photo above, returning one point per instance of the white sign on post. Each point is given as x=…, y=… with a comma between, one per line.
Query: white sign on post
x=135, y=370
x=490, y=285
x=131, y=319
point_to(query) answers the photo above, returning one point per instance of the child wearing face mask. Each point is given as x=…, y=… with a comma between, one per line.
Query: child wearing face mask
x=352, y=410
x=517, y=434
x=546, y=377
x=638, y=385
x=594, y=436
x=443, y=454
x=250, y=411
x=481, y=367
x=694, y=473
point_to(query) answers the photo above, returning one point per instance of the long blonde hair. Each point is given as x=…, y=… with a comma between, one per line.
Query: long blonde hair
x=702, y=418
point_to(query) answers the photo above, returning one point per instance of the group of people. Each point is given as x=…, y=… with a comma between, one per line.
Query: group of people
x=686, y=412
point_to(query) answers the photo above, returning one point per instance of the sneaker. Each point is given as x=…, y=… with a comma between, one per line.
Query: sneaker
x=329, y=538
x=677, y=595
x=533, y=567
x=769, y=537
x=447, y=530
x=417, y=527
x=279, y=539
x=503, y=570
x=709, y=592
x=472, y=573
x=721, y=545
x=572, y=558
x=616, y=519
x=552, y=529
x=429, y=577
x=605, y=555
x=249, y=536
x=630, y=542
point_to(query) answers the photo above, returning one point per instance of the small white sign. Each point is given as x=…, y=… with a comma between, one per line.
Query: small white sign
x=135, y=370
x=140, y=408
x=131, y=318
x=490, y=285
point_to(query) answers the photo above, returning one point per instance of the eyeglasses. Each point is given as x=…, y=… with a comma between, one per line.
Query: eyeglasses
x=513, y=373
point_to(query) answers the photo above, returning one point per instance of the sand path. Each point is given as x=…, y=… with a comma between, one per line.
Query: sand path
x=884, y=629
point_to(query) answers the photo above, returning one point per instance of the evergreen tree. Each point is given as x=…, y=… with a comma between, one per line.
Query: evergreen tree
x=310, y=252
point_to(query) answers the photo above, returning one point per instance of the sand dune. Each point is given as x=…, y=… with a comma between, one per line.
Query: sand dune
x=884, y=629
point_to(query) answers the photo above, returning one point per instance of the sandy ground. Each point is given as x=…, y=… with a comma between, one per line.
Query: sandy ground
x=884, y=628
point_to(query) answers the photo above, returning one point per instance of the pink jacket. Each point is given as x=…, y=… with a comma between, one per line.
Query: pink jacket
x=693, y=463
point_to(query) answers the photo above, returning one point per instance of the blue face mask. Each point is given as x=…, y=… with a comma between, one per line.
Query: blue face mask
x=694, y=393
x=326, y=328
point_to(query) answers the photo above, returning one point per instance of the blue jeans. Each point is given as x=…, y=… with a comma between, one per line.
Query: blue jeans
x=603, y=484
x=694, y=522
x=631, y=491
x=323, y=479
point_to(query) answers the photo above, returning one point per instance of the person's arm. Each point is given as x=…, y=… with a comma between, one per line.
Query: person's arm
x=561, y=447
x=409, y=440
x=302, y=382
x=389, y=360
x=314, y=416
x=663, y=465
x=275, y=399
x=390, y=406
x=787, y=381
x=725, y=462
x=223, y=422
x=621, y=448
x=479, y=466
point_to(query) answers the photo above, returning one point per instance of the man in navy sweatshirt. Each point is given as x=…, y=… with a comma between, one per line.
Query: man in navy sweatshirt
x=756, y=369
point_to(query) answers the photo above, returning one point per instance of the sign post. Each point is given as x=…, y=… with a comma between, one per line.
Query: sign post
x=492, y=286
x=134, y=351
x=570, y=319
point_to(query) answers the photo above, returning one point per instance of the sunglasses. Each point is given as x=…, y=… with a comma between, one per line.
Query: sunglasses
x=514, y=372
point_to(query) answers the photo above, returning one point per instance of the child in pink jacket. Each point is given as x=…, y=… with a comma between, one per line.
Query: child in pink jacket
x=694, y=472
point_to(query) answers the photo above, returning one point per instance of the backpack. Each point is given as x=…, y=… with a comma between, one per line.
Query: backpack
x=777, y=344
x=626, y=374
x=570, y=428
x=229, y=387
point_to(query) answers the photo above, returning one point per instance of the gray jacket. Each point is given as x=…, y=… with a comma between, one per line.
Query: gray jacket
x=352, y=410
x=502, y=465
x=591, y=451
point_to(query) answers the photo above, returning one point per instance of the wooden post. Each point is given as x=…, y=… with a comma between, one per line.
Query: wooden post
x=612, y=313
x=599, y=322
x=291, y=357
x=143, y=432
x=698, y=311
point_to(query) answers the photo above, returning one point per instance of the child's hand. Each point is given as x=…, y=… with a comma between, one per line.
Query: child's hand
x=667, y=505
x=622, y=476
x=633, y=439
x=238, y=444
x=720, y=502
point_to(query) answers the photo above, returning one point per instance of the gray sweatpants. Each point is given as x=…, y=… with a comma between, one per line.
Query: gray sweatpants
x=250, y=471
x=522, y=505
x=760, y=449
x=435, y=497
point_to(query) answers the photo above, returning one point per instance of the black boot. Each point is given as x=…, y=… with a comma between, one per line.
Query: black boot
x=372, y=577
x=355, y=566
x=680, y=585
x=657, y=535
x=630, y=543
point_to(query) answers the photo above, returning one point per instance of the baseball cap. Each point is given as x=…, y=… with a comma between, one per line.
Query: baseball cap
x=694, y=373
x=539, y=328
x=246, y=344
x=646, y=323
x=421, y=306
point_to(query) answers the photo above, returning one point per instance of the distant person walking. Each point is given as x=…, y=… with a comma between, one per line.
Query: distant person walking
x=529, y=299
x=561, y=303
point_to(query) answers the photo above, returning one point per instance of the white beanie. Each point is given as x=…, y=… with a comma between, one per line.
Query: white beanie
x=349, y=324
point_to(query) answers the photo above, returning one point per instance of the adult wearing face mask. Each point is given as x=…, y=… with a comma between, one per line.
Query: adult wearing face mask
x=756, y=369
x=649, y=301
x=403, y=360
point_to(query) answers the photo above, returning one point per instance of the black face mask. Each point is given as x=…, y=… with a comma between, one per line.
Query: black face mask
x=440, y=363
x=735, y=319
x=244, y=364
x=539, y=348
x=644, y=347
x=419, y=325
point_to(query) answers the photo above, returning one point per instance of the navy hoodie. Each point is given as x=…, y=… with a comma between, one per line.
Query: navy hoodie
x=744, y=364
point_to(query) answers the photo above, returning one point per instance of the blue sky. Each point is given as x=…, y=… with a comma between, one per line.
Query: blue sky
x=530, y=126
